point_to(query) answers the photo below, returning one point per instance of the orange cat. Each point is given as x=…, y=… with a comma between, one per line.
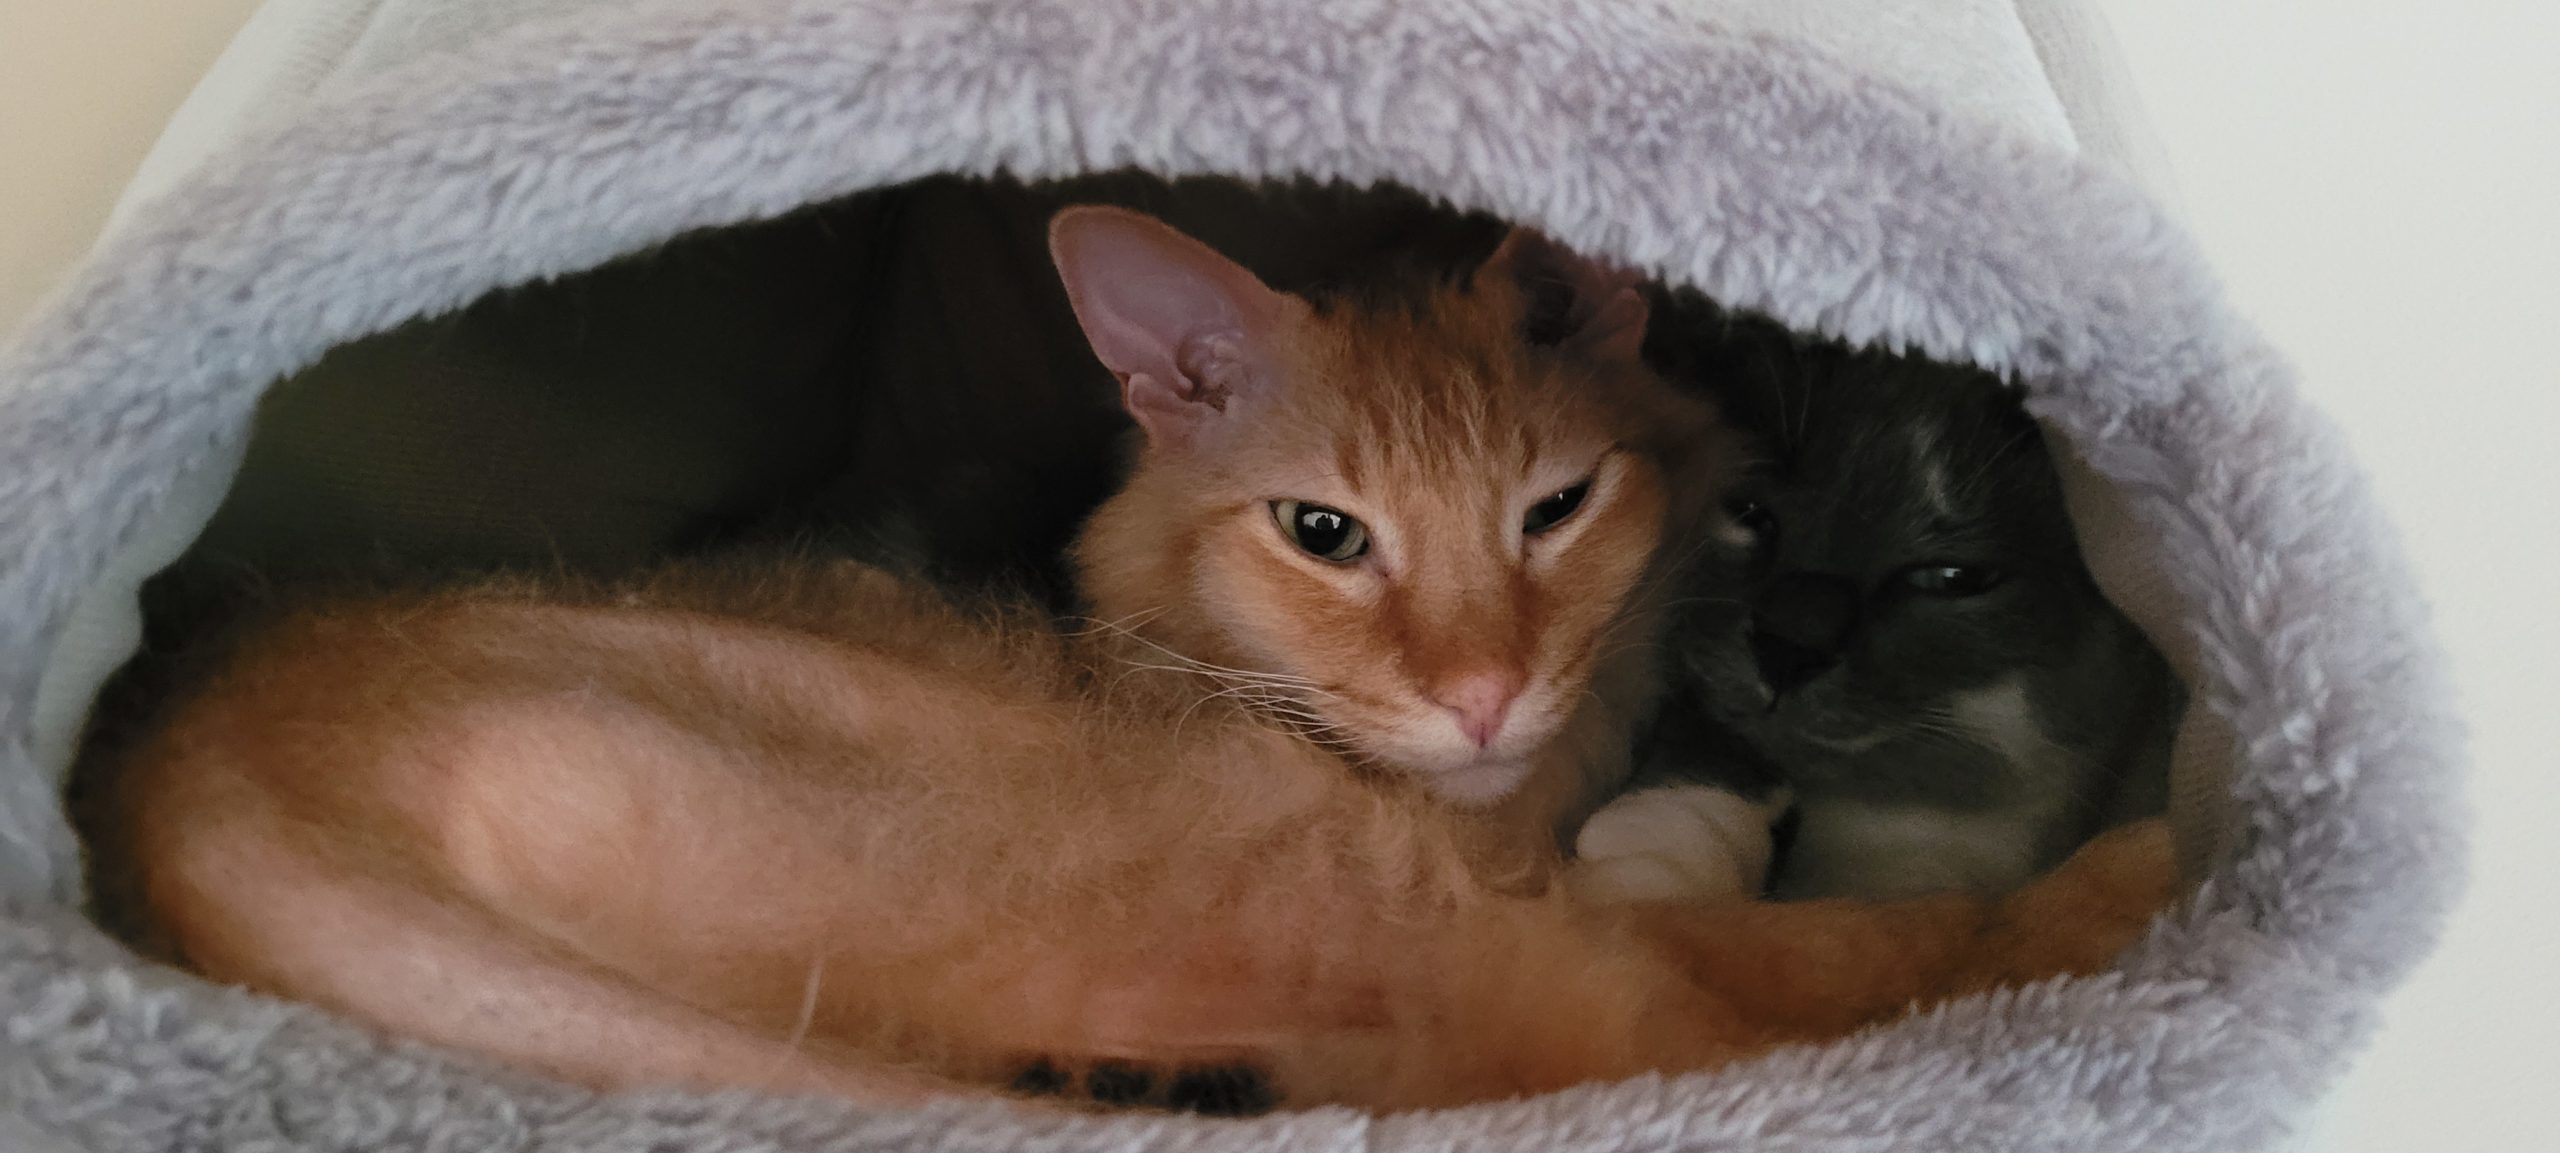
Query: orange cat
x=801, y=825
x=1469, y=488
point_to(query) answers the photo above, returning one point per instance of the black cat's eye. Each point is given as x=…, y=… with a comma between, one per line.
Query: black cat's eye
x=1326, y=534
x=1756, y=519
x=1554, y=510
x=1950, y=580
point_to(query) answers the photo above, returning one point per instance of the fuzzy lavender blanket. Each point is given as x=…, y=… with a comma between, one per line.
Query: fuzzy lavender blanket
x=1848, y=166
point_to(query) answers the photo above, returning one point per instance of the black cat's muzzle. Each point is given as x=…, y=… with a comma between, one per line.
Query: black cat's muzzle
x=1801, y=628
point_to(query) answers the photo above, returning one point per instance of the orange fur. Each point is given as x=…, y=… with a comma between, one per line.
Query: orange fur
x=979, y=855
x=801, y=825
x=1436, y=425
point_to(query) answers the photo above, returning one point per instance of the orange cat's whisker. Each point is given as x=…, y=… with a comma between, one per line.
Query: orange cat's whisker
x=1194, y=664
x=1122, y=626
x=784, y=1059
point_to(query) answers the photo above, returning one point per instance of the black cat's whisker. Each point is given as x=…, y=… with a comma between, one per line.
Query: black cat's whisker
x=1677, y=568
x=1946, y=729
x=2086, y=800
x=1603, y=655
x=1994, y=459
x=1940, y=723
x=1613, y=640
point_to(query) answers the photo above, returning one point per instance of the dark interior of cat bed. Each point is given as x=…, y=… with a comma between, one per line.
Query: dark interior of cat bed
x=897, y=370
x=896, y=377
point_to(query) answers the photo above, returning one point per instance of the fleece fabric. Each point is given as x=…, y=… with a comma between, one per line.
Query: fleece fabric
x=1805, y=177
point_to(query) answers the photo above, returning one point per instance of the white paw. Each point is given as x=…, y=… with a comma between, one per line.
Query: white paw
x=1673, y=842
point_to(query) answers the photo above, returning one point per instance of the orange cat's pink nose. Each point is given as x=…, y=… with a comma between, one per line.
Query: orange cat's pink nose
x=1481, y=701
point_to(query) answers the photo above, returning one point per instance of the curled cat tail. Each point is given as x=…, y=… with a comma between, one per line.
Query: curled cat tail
x=1519, y=997
x=1702, y=984
x=1809, y=971
x=251, y=896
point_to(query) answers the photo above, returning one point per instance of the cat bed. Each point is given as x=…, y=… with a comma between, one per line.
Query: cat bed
x=1955, y=177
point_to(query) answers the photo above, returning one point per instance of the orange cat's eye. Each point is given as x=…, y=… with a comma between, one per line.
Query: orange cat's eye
x=1554, y=510
x=1324, y=533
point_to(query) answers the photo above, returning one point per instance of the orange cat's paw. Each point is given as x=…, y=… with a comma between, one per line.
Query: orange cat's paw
x=1211, y=1090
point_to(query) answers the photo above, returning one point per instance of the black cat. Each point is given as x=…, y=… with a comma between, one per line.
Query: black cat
x=1900, y=631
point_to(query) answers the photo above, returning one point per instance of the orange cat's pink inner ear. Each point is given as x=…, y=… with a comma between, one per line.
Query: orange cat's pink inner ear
x=1176, y=322
x=1570, y=300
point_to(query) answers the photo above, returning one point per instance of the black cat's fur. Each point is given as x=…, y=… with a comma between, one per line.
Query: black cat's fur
x=1904, y=635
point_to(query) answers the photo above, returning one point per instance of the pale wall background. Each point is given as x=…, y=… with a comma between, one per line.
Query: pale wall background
x=84, y=87
x=2381, y=182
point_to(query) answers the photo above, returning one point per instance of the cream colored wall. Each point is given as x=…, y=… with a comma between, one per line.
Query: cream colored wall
x=84, y=88
x=2379, y=181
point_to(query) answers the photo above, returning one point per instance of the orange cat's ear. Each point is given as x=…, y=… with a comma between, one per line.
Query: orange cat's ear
x=1187, y=331
x=1569, y=300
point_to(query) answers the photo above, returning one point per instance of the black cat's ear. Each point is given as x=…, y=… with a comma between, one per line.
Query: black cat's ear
x=1187, y=331
x=1569, y=300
